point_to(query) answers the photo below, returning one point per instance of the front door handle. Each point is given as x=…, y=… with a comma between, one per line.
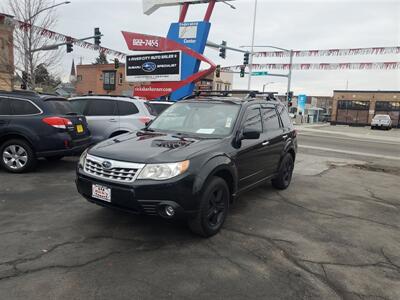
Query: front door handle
x=112, y=120
x=265, y=143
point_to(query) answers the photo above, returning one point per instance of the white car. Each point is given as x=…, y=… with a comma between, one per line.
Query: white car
x=381, y=121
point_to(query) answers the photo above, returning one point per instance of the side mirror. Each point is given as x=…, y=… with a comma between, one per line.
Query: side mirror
x=250, y=134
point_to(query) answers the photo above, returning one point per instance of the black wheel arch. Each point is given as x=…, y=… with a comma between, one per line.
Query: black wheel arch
x=219, y=166
x=17, y=136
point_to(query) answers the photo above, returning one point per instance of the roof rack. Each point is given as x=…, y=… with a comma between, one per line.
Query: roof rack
x=248, y=94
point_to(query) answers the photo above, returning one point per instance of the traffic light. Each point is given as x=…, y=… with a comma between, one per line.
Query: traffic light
x=70, y=47
x=242, y=70
x=116, y=63
x=218, y=71
x=97, y=38
x=222, y=50
x=290, y=97
x=25, y=78
x=246, y=58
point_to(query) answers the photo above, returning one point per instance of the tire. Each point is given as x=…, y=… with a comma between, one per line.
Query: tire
x=213, y=209
x=372, y=127
x=17, y=156
x=285, y=172
x=54, y=158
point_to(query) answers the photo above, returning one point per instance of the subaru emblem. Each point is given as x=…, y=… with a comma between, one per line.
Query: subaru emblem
x=106, y=165
x=149, y=67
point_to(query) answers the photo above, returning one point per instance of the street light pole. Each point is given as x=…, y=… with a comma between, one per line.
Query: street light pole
x=252, y=44
x=291, y=53
x=265, y=84
x=29, y=21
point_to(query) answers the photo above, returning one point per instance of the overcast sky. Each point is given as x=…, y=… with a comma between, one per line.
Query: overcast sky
x=319, y=24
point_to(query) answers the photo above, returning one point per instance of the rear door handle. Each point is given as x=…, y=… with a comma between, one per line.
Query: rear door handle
x=265, y=143
x=112, y=120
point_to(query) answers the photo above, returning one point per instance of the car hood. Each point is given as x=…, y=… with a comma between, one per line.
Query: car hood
x=151, y=147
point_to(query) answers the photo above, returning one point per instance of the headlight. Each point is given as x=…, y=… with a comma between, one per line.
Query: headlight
x=163, y=171
x=82, y=159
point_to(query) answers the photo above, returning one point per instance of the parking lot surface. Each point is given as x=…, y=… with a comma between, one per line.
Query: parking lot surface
x=334, y=234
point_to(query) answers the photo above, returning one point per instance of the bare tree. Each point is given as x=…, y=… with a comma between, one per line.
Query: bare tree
x=34, y=13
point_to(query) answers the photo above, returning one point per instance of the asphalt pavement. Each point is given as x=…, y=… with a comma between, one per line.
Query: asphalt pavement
x=334, y=234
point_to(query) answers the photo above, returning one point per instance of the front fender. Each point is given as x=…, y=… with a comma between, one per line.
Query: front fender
x=217, y=163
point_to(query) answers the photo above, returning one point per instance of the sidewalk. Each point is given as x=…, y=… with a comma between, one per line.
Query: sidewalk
x=353, y=132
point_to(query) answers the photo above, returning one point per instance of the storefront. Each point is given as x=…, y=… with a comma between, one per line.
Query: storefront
x=357, y=108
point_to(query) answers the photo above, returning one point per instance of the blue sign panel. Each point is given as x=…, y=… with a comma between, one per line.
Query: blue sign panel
x=193, y=35
x=301, y=102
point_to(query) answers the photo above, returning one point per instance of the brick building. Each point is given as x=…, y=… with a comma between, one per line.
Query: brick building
x=359, y=107
x=214, y=83
x=102, y=79
x=6, y=53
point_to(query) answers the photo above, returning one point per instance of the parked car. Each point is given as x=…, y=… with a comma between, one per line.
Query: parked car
x=157, y=107
x=33, y=126
x=192, y=161
x=382, y=122
x=109, y=116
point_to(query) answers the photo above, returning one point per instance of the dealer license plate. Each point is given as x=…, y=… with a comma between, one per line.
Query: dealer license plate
x=101, y=192
x=79, y=128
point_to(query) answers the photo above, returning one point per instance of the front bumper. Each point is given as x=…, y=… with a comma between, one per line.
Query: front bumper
x=144, y=196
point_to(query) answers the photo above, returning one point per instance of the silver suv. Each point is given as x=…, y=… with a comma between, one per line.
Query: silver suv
x=109, y=116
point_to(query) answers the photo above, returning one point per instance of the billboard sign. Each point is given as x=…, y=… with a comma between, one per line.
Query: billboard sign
x=163, y=66
x=301, y=102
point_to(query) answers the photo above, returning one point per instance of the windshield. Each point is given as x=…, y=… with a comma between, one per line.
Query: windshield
x=212, y=119
x=381, y=117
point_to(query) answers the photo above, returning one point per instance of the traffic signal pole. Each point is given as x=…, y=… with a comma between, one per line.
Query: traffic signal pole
x=289, y=76
x=252, y=44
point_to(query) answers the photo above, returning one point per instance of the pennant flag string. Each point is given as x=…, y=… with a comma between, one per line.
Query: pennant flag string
x=55, y=36
x=332, y=52
x=322, y=66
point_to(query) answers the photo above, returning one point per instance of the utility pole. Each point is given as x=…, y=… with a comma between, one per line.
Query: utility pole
x=289, y=75
x=252, y=44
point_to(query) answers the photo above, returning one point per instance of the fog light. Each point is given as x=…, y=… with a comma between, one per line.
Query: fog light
x=169, y=211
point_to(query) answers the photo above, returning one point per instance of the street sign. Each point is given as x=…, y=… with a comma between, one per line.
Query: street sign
x=163, y=66
x=259, y=73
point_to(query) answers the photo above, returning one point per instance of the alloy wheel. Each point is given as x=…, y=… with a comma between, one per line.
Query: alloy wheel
x=216, y=207
x=287, y=171
x=15, y=157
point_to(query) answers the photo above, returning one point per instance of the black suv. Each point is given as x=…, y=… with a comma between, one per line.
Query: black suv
x=193, y=160
x=33, y=126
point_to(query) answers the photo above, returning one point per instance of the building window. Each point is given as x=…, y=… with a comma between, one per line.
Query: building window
x=121, y=77
x=109, y=80
x=387, y=106
x=79, y=78
x=354, y=105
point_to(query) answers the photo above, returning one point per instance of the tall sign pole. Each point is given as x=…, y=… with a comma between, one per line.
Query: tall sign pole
x=252, y=44
x=289, y=76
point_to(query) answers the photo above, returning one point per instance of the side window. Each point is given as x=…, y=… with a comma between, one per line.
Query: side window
x=101, y=107
x=5, y=107
x=270, y=118
x=287, y=123
x=127, y=108
x=22, y=107
x=253, y=119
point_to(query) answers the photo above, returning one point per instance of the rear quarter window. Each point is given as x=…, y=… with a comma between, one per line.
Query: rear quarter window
x=287, y=122
x=23, y=107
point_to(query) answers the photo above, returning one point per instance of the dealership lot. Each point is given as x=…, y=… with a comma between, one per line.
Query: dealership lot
x=333, y=234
